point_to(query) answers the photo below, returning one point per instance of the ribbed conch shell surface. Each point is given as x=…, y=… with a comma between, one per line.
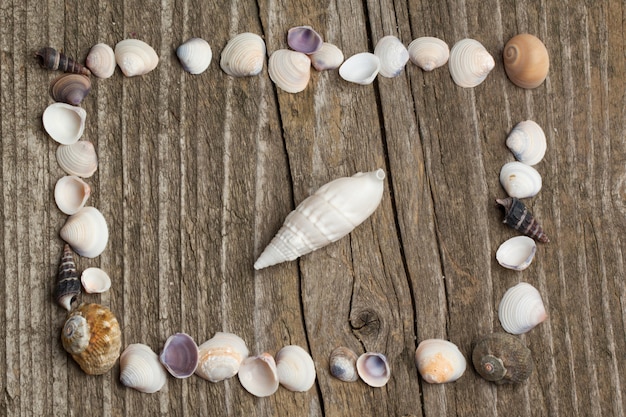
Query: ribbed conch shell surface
x=520, y=180
x=330, y=213
x=86, y=232
x=295, y=368
x=140, y=369
x=135, y=57
x=521, y=309
x=219, y=358
x=469, y=63
x=428, y=52
x=101, y=60
x=439, y=361
x=243, y=55
x=392, y=54
x=527, y=141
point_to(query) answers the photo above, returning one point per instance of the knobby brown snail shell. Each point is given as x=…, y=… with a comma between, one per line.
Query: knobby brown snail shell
x=502, y=358
x=526, y=60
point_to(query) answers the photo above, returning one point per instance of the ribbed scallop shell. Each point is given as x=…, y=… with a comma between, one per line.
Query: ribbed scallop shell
x=439, y=361
x=304, y=39
x=469, y=63
x=361, y=68
x=220, y=357
x=78, y=159
x=67, y=286
x=520, y=180
x=343, y=364
x=373, y=368
x=328, y=57
x=392, y=54
x=86, y=232
x=516, y=253
x=258, y=375
x=180, y=355
x=290, y=70
x=135, y=57
x=330, y=213
x=527, y=141
x=95, y=280
x=428, y=52
x=526, y=60
x=521, y=309
x=295, y=368
x=71, y=193
x=101, y=60
x=70, y=88
x=140, y=369
x=195, y=55
x=243, y=55
x=64, y=123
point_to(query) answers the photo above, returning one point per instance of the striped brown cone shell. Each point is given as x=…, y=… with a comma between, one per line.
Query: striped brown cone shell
x=52, y=59
x=517, y=216
x=68, y=284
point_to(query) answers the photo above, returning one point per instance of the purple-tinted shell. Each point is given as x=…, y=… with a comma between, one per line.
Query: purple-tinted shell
x=180, y=355
x=304, y=39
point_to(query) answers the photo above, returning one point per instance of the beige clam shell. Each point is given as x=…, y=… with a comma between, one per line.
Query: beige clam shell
x=64, y=123
x=328, y=57
x=439, y=361
x=220, y=357
x=101, y=60
x=79, y=159
x=428, y=52
x=516, y=253
x=95, y=280
x=527, y=141
x=520, y=180
x=392, y=54
x=86, y=232
x=295, y=368
x=243, y=55
x=469, y=63
x=258, y=375
x=135, y=57
x=141, y=369
x=195, y=55
x=71, y=193
x=289, y=70
x=521, y=309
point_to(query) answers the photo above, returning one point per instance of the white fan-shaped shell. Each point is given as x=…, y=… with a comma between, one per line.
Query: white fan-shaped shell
x=361, y=68
x=521, y=309
x=258, y=375
x=392, y=54
x=64, y=123
x=95, y=280
x=520, y=180
x=86, y=232
x=71, y=193
x=101, y=60
x=135, y=57
x=78, y=159
x=330, y=213
x=516, y=253
x=328, y=57
x=290, y=70
x=140, y=369
x=243, y=55
x=195, y=55
x=469, y=63
x=220, y=357
x=295, y=367
x=527, y=141
x=439, y=361
x=373, y=368
x=428, y=52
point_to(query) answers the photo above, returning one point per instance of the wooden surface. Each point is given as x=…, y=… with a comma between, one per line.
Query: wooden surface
x=198, y=172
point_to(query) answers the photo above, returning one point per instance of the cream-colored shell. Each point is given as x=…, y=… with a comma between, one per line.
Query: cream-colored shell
x=71, y=193
x=342, y=364
x=195, y=55
x=258, y=375
x=220, y=357
x=79, y=159
x=289, y=70
x=469, y=63
x=64, y=123
x=520, y=180
x=521, y=309
x=361, y=68
x=141, y=369
x=101, y=60
x=135, y=57
x=328, y=57
x=527, y=141
x=516, y=253
x=86, y=232
x=374, y=369
x=243, y=55
x=295, y=368
x=95, y=280
x=428, y=52
x=439, y=361
x=392, y=54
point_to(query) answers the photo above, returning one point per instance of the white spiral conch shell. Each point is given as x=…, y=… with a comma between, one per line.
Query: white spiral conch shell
x=330, y=213
x=516, y=253
x=521, y=309
x=258, y=375
x=195, y=55
x=469, y=63
x=243, y=55
x=361, y=68
x=71, y=193
x=520, y=180
x=135, y=57
x=290, y=70
x=79, y=159
x=140, y=369
x=86, y=232
x=101, y=60
x=95, y=280
x=527, y=141
x=295, y=368
x=428, y=52
x=220, y=357
x=328, y=57
x=64, y=123
x=373, y=368
x=393, y=56
x=439, y=361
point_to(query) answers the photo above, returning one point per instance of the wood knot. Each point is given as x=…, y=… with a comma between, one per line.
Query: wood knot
x=365, y=323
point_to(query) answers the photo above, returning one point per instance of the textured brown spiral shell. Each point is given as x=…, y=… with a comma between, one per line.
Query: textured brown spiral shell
x=68, y=282
x=526, y=60
x=517, y=216
x=52, y=59
x=502, y=358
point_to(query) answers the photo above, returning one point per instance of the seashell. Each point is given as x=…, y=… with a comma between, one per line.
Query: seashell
x=520, y=180
x=521, y=309
x=258, y=375
x=295, y=368
x=70, y=88
x=361, y=68
x=502, y=358
x=330, y=213
x=527, y=141
x=392, y=54
x=140, y=369
x=373, y=368
x=64, y=123
x=243, y=55
x=68, y=285
x=91, y=334
x=469, y=63
x=304, y=39
x=135, y=57
x=516, y=253
x=195, y=55
x=439, y=361
x=220, y=357
x=328, y=57
x=521, y=219
x=86, y=232
x=95, y=280
x=101, y=60
x=180, y=355
x=79, y=159
x=52, y=59
x=290, y=70
x=428, y=53
x=71, y=193
x=526, y=60
x=343, y=364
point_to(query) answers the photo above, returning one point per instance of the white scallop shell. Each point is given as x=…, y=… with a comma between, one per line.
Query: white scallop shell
x=521, y=309
x=86, y=232
x=520, y=180
x=135, y=57
x=439, y=361
x=290, y=70
x=469, y=63
x=71, y=193
x=140, y=369
x=95, y=280
x=101, y=60
x=258, y=375
x=295, y=368
x=393, y=56
x=195, y=55
x=78, y=159
x=64, y=123
x=527, y=141
x=373, y=368
x=328, y=57
x=219, y=358
x=516, y=253
x=428, y=52
x=330, y=213
x=361, y=68
x=243, y=55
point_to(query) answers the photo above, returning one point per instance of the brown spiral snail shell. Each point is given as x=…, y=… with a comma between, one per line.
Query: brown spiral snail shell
x=52, y=59
x=502, y=358
x=68, y=285
x=517, y=216
x=526, y=60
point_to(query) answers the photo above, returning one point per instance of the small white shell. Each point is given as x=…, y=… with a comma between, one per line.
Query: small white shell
x=521, y=309
x=78, y=159
x=140, y=369
x=290, y=70
x=527, y=141
x=439, y=361
x=520, y=180
x=258, y=375
x=470, y=63
x=86, y=232
x=373, y=368
x=361, y=68
x=95, y=280
x=393, y=56
x=342, y=364
x=516, y=253
x=64, y=123
x=295, y=368
x=429, y=53
x=220, y=357
x=328, y=57
x=243, y=55
x=101, y=60
x=195, y=55
x=71, y=193
x=135, y=57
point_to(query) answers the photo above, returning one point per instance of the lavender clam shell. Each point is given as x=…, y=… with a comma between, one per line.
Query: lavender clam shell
x=304, y=39
x=180, y=355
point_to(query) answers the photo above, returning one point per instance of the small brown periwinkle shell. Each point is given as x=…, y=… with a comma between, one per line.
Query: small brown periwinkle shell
x=502, y=358
x=526, y=60
x=52, y=59
x=70, y=88
x=517, y=216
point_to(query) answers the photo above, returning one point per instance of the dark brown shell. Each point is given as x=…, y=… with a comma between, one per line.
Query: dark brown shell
x=70, y=88
x=517, y=215
x=502, y=358
x=52, y=59
x=68, y=282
